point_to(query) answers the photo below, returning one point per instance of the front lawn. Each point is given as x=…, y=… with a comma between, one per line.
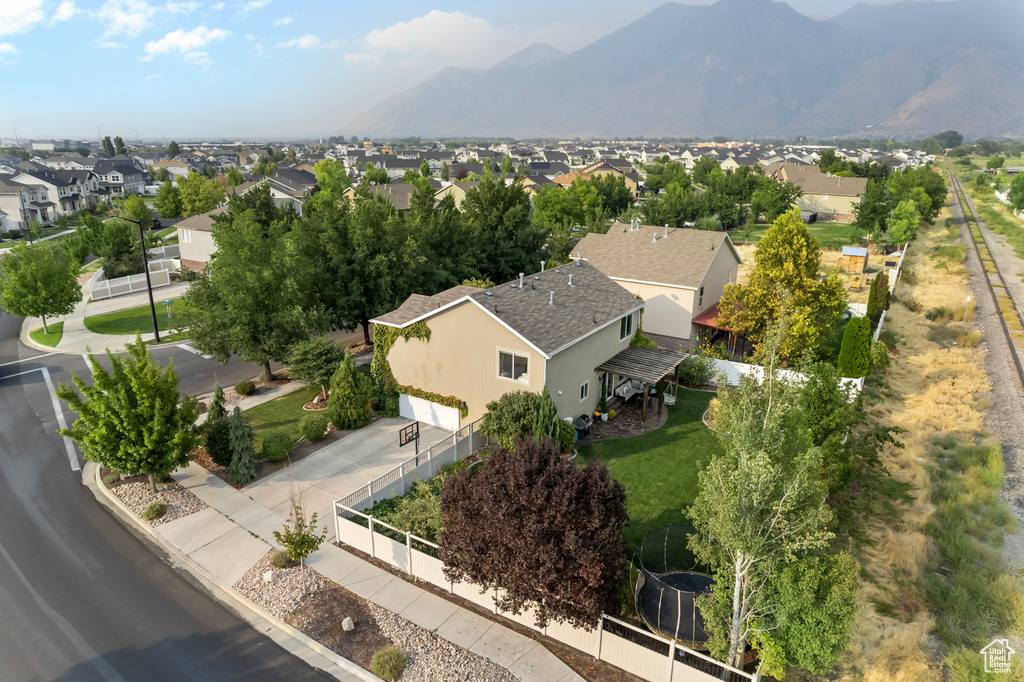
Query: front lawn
x=659, y=469
x=50, y=340
x=284, y=413
x=135, y=320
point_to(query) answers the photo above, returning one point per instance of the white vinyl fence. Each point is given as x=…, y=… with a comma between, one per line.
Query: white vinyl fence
x=159, y=272
x=623, y=645
x=425, y=465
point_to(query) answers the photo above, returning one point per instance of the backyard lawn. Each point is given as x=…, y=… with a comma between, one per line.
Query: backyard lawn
x=284, y=413
x=52, y=339
x=826, y=233
x=659, y=469
x=135, y=320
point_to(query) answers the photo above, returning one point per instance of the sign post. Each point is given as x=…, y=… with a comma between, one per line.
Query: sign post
x=167, y=304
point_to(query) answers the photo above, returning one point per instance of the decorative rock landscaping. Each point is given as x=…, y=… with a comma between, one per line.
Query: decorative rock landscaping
x=136, y=494
x=282, y=594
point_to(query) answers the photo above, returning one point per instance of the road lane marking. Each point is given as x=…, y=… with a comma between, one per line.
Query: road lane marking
x=190, y=349
x=61, y=422
x=35, y=357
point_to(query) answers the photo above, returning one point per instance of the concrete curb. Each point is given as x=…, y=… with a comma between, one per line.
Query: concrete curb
x=312, y=652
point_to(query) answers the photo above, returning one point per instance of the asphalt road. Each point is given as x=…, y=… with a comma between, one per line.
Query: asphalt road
x=82, y=597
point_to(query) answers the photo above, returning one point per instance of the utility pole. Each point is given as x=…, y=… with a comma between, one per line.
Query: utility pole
x=16, y=140
x=149, y=283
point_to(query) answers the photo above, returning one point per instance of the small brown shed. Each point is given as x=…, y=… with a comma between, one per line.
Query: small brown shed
x=854, y=259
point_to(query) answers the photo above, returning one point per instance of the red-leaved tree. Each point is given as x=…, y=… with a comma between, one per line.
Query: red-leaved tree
x=545, y=531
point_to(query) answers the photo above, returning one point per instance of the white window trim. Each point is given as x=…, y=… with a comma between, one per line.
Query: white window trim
x=700, y=296
x=585, y=386
x=629, y=327
x=513, y=353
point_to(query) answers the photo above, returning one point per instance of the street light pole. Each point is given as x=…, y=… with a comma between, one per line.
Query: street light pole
x=149, y=283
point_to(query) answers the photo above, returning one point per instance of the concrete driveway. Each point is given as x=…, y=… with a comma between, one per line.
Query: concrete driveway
x=339, y=468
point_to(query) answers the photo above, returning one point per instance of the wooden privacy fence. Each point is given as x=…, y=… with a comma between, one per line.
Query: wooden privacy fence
x=626, y=646
x=425, y=465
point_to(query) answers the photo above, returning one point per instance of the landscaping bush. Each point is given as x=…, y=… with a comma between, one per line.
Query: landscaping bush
x=510, y=417
x=696, y=370
x=218, y=442
x=349, y=403
x=940, y=314
x=313, y=427
x=388, y=663
x=282, y=560
x=314, y=361
x=244, y=388
x=855, y=355
x=154, y=511
x=880, y=356
x=111, y=479
x=567, y=434
x=277, y=445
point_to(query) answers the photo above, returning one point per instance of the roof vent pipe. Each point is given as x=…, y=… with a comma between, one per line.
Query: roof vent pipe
x=654, y=238
x=542, y=265
x=520, y=280
x=551, y=300
x=570, y=280
x=666, y=230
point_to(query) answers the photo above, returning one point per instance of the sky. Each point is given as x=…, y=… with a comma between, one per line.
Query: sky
x=190, y=69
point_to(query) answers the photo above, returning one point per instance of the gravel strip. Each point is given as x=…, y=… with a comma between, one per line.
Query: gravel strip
x=432, y=658
x=282, y=596
x=180, y=502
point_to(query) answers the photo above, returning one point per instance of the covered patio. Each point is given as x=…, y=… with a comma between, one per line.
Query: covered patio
x=708, y=331
x=643, y=369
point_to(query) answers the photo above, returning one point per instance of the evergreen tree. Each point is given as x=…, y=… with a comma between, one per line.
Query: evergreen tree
x=173, y=149
x=243, y=468
x=216, y=410
x=445, y=172
x=546, y=425
x=855, y=353
x=349, y=404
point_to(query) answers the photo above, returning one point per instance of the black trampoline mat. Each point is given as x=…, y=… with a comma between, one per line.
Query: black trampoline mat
x=666, y=604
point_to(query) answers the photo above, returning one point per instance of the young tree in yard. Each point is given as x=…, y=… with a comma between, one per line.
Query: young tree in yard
x=1016, y=195
x=299, y=537
x=108, y=146
x=168, y=200
x=902, y=223
x=545, y=531
x=132, y=418
x=759, y=507
x=785, y=282
x=773, y=198
x=242, y=468
x=546, y=423
x=161, y=175
x=216, y=409
x=511, y=417
x=828, y=413
x=246, y=301
x=39, y=281
x=871, y=213
x=878, y=299
x=425, y=169
x=173, y=149
x=855, y=353
x=234, y=176
x=315, y=361
x=136, y=209
x=199, y=194
x=349, y=404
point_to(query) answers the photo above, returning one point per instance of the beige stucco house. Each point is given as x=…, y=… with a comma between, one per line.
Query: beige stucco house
x=830, y=196
x=679, y=273
x=195, y=239
x=553, y=328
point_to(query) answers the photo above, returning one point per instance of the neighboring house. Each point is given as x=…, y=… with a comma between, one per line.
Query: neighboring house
x=281, y=193
x=195, y=240
x=398, y=193
x=603, y=168
x=120, y=178
x=63, y=189
x=175, y=167
x=830, y=196
x=457, y=190
x=553, y=328
x=679, y=273
x=24, y=203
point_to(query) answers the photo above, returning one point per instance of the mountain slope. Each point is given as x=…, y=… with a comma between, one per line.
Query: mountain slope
x=742, y=67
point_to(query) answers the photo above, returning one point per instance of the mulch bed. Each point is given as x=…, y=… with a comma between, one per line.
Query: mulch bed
x=588, y=668
x=136, y=494
x=320, y=616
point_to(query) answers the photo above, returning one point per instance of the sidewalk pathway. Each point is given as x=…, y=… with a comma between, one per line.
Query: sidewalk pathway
x=230, y=537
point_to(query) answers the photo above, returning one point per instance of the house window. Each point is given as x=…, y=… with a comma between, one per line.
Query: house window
x=513, y=366
x=186, y=236
x=584, y=391
x=700, y=294
x=625, y=327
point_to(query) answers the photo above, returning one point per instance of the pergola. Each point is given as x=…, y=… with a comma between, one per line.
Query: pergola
x=646, y=365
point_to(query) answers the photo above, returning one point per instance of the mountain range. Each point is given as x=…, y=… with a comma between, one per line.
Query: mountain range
x=751, y=68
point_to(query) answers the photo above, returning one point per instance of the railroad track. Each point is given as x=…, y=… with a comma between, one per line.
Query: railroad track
x=997, y=285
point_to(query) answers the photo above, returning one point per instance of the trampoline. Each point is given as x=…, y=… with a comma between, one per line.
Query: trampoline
x=667, y=587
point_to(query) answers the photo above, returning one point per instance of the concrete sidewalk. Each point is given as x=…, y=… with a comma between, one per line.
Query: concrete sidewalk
x=227, y=539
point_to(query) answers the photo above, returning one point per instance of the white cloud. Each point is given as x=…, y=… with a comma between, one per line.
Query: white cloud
x=132, y=17
x=19, y=15
x=152, y=76
x=112, y=45
x=310, y=41
x=7, y=48
x=65, y=10
x=437, y=37
x=185, y=8
x=284, y=21
x=216, y=7
x=186, y=43
x=253, y=5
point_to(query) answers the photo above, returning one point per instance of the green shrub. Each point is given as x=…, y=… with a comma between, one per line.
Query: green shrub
x=696, y=370
x=567, y=434
x=244, y=388
x=349, y=403
x=154, y=511
x=880, y=356
x=313, y=427
x=218, y=441
x=940, y=314
x=855, y=354
x=282, y=560
x=388, y=663
x=111, y=479
x=277, y=445
x=511, y=416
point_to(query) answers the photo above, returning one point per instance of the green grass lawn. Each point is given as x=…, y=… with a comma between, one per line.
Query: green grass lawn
x=284, y=413
x=134, y=320
x=827, y=233
x=659, y=469
x=52, y=339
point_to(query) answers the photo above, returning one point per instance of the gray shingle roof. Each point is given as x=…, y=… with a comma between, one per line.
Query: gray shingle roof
x=681, y=259
x=548, y=321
